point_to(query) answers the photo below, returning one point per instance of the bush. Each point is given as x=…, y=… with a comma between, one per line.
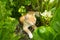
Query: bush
x=7, y=23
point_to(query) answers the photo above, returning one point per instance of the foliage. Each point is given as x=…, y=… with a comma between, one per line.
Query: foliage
x=56, y=21
x=49, y=33
x=44, y=33
x=22, y=10
x=7, y=23
x=11, y=10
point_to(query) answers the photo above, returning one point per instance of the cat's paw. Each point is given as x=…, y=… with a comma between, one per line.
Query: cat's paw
x=30, y=36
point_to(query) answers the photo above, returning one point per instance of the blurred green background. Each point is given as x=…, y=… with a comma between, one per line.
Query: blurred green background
x=11, y=10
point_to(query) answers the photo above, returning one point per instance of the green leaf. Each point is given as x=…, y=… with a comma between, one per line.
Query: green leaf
x=55, y=24
x=44, y=33
x=57, y=37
